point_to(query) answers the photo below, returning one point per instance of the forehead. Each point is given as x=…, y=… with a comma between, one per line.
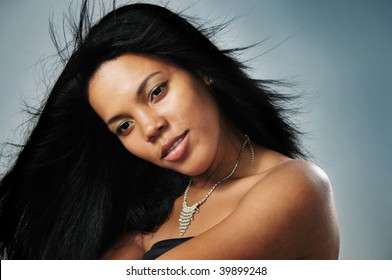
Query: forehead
x=123, y=75
x=128, y=66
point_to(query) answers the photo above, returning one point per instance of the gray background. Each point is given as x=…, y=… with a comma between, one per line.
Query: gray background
x=339, y=52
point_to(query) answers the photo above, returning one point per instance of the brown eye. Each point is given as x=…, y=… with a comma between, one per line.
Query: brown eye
x=157, y=91
x=124, y=127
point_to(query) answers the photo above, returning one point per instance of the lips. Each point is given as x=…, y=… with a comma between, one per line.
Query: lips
x=175, y=147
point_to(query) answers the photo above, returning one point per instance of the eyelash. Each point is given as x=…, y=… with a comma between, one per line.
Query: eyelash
x=154, y=94
x=118, y=130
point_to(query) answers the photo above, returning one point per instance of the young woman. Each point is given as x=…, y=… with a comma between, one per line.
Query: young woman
x=153, y=143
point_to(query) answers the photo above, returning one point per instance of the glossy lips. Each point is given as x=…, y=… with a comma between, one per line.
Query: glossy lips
x=175, y=147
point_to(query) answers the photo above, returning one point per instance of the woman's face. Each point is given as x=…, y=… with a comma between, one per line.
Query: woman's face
x=160, y=113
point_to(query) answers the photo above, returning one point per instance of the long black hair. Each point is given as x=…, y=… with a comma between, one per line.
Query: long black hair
x=74, y=189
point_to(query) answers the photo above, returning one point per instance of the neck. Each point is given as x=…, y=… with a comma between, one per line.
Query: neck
x=234, y=160
x=188, y=212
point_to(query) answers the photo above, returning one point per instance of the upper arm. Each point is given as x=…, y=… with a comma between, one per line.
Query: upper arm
x=287, y=215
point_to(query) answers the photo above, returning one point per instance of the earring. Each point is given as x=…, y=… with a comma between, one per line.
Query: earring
x=210, y=80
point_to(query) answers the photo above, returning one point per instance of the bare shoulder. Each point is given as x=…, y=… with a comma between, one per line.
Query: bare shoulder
x=295, y=201
x=129, y=247
x=294, y=177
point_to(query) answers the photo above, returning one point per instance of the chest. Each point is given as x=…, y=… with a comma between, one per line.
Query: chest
x=220, y=204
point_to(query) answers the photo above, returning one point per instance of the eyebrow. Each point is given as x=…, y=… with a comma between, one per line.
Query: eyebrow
x=138, y=92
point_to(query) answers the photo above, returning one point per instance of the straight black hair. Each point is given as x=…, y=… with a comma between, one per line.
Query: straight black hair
x=74, y=189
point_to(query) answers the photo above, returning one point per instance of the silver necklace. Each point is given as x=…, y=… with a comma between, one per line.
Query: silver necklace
x=188, y=212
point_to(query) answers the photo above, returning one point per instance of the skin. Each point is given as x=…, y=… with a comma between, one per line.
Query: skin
x=274, y=208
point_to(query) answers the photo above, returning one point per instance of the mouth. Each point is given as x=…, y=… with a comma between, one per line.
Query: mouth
x=174, y=147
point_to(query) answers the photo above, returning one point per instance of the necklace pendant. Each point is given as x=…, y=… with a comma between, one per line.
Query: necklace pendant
x=186, y=216
x=188, y=212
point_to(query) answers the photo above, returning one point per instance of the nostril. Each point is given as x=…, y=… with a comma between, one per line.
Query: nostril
x=154, y=129
x=152, y=139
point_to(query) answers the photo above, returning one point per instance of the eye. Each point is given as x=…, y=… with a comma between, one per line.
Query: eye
x=124, y=128
x=157, y=91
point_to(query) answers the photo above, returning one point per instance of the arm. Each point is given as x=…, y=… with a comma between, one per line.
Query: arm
x=289, y=214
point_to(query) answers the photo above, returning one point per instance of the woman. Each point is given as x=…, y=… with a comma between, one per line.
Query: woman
x=153, y=143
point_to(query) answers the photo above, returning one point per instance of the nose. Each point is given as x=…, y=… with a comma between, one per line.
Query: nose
x=152, y=126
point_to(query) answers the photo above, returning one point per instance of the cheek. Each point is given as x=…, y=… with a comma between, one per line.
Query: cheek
x=205, y=115
x=205, y=125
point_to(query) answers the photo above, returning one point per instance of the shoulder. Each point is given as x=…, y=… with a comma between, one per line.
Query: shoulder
x=294, y=201
x=292, y=179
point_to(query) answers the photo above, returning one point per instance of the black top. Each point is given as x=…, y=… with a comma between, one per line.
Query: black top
x=162, y=247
